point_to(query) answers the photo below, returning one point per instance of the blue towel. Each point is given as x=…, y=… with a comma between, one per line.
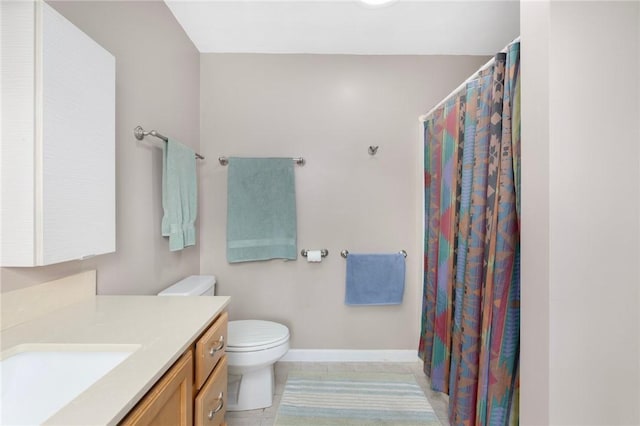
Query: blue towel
x=261, y=209
x=179, y=195
x=375, y=279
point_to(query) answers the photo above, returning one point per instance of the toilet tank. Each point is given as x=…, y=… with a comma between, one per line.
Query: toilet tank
x=195, y=285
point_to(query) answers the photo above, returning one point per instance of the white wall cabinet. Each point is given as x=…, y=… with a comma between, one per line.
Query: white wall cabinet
x=57, y=155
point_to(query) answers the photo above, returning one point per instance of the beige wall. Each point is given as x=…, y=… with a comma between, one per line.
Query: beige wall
x=157, y=86
x=328, y=109
x=534, y=336
x=594, y=206
x=588, y=224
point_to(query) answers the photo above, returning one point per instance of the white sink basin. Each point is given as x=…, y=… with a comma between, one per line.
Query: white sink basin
x=38, y=383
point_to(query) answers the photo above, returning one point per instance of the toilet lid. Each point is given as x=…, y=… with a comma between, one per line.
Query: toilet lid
x=253, y=335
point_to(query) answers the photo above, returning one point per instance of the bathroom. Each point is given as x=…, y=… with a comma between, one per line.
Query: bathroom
x=329, y=109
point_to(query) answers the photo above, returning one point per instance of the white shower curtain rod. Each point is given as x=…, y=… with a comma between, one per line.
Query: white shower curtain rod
x=424, y=117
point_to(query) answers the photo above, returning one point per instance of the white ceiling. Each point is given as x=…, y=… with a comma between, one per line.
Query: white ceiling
x=472, y=27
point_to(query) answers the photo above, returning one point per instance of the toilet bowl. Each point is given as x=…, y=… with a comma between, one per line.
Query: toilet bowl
x=253, y=347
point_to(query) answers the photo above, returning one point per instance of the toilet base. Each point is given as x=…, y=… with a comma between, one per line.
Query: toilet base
x=251, y=390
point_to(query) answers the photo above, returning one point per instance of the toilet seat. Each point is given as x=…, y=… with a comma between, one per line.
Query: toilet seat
x=255, y=335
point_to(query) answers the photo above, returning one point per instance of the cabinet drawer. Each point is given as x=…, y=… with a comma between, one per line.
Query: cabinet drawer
x=210, y=348
x=211, y=402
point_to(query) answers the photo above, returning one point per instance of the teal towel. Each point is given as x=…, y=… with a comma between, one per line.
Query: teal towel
x=179, y=195
x=261, y=209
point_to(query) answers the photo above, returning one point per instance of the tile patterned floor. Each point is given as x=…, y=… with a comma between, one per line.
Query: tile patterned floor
x=266, y=416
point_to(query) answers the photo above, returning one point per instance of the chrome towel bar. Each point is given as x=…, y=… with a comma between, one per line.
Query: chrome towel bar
x=299, y=160
x=140, y=133
x=345, y=253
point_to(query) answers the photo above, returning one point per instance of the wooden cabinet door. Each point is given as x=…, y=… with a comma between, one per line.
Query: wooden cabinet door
x=211, y=401
x=169, y=402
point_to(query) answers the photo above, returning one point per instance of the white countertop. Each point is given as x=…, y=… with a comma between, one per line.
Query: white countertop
x=161, y=327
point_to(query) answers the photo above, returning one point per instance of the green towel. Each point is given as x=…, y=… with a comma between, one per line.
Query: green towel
x=261, y=209
x=179, y=195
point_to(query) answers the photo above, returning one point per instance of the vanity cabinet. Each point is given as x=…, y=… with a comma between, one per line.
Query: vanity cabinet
x=57, y=140
x=194, y=390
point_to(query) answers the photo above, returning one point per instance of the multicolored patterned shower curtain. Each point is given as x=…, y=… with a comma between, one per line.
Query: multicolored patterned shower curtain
x=470, y=337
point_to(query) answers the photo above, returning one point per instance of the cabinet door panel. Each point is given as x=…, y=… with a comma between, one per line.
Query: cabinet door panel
x=57, y=151
x=211, y=401
x=17, y=152
x=169, y=402
x=77, y=146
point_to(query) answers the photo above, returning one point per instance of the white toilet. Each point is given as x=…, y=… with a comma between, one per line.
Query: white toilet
x=253, y=347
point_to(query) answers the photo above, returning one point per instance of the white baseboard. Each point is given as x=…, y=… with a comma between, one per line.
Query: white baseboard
x=350, y=355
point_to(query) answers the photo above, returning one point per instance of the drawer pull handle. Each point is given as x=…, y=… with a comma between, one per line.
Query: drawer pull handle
x=218, y=408
x=220, y=346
